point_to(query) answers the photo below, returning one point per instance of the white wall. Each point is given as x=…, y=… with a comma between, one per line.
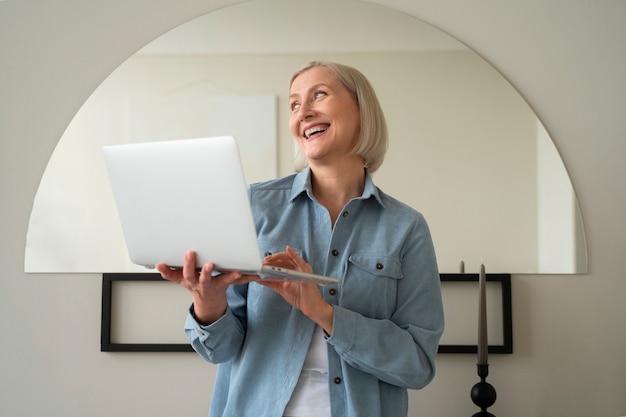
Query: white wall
x=462, y=151
x=567, y=58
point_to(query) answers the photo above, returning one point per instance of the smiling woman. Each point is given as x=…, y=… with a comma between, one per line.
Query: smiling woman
x=465, y=149
x=326, y=119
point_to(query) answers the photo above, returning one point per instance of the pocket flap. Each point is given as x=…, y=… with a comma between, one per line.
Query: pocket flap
x=383, y=266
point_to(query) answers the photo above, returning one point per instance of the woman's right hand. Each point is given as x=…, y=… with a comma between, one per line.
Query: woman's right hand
x=208, y=291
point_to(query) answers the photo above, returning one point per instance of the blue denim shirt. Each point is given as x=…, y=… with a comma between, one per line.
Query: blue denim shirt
x=388, y=314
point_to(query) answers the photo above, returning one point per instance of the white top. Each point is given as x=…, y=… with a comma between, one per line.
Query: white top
x=311, y=396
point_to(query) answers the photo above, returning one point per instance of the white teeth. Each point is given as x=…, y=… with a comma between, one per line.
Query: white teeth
x=314, y=130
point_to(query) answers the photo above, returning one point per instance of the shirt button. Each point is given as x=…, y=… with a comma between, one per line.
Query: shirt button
x=335, y=252
x=337, y=380
x=332, y=291
x=345, y=214
x=379, y=266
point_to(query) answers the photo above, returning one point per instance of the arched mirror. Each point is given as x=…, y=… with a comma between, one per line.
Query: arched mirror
x=465, y=149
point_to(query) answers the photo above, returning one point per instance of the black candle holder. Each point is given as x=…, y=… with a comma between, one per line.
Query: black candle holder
x=483, y=393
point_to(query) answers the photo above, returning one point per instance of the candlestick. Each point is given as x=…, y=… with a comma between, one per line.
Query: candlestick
x=483, y=394
x=483, y=346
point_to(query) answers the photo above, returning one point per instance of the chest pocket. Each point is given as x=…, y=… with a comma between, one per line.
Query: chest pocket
x=371, y=283
x=268, y=248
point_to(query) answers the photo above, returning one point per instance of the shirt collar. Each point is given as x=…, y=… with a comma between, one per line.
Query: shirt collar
x=302, y=184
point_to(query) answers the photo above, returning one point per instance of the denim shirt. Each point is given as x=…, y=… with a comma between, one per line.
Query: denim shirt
x=388, y=314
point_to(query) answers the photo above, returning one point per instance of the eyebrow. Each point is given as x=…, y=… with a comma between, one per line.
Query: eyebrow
x=313, y=87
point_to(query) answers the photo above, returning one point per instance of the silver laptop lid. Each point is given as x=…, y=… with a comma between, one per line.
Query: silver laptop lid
x=189, y=194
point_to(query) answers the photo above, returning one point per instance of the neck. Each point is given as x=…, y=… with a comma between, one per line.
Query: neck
x=335, y=186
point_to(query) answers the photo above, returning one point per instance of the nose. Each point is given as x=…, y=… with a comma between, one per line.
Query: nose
x=306, y=111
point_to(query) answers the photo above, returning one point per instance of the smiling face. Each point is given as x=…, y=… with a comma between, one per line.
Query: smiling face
x=325, y=118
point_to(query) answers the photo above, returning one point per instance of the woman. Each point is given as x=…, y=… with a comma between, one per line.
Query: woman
x=347, y=349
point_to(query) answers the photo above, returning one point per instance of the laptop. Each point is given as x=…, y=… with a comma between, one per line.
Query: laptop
x=189, y=194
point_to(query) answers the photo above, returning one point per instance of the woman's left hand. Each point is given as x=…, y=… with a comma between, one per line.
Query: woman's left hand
x=304, y=296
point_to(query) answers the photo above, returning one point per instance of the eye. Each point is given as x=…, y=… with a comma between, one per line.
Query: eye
x=294, y=106
x=319, y=94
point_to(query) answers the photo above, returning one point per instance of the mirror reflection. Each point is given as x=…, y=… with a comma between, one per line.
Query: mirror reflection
x=465, y=149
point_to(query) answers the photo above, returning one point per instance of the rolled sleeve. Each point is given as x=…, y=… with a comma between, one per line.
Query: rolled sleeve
x=217, y=341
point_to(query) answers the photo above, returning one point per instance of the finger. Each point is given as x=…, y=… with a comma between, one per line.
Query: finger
x=276, y=260
x=298, y=261
x=227, y=279
x=279, y=259
x=189, y=267
x=244, y=279
x=294, y=256
x=169, y=273
x=163, y=269
x=207, y=271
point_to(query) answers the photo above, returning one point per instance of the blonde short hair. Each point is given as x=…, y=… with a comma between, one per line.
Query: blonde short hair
x=372, y=143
